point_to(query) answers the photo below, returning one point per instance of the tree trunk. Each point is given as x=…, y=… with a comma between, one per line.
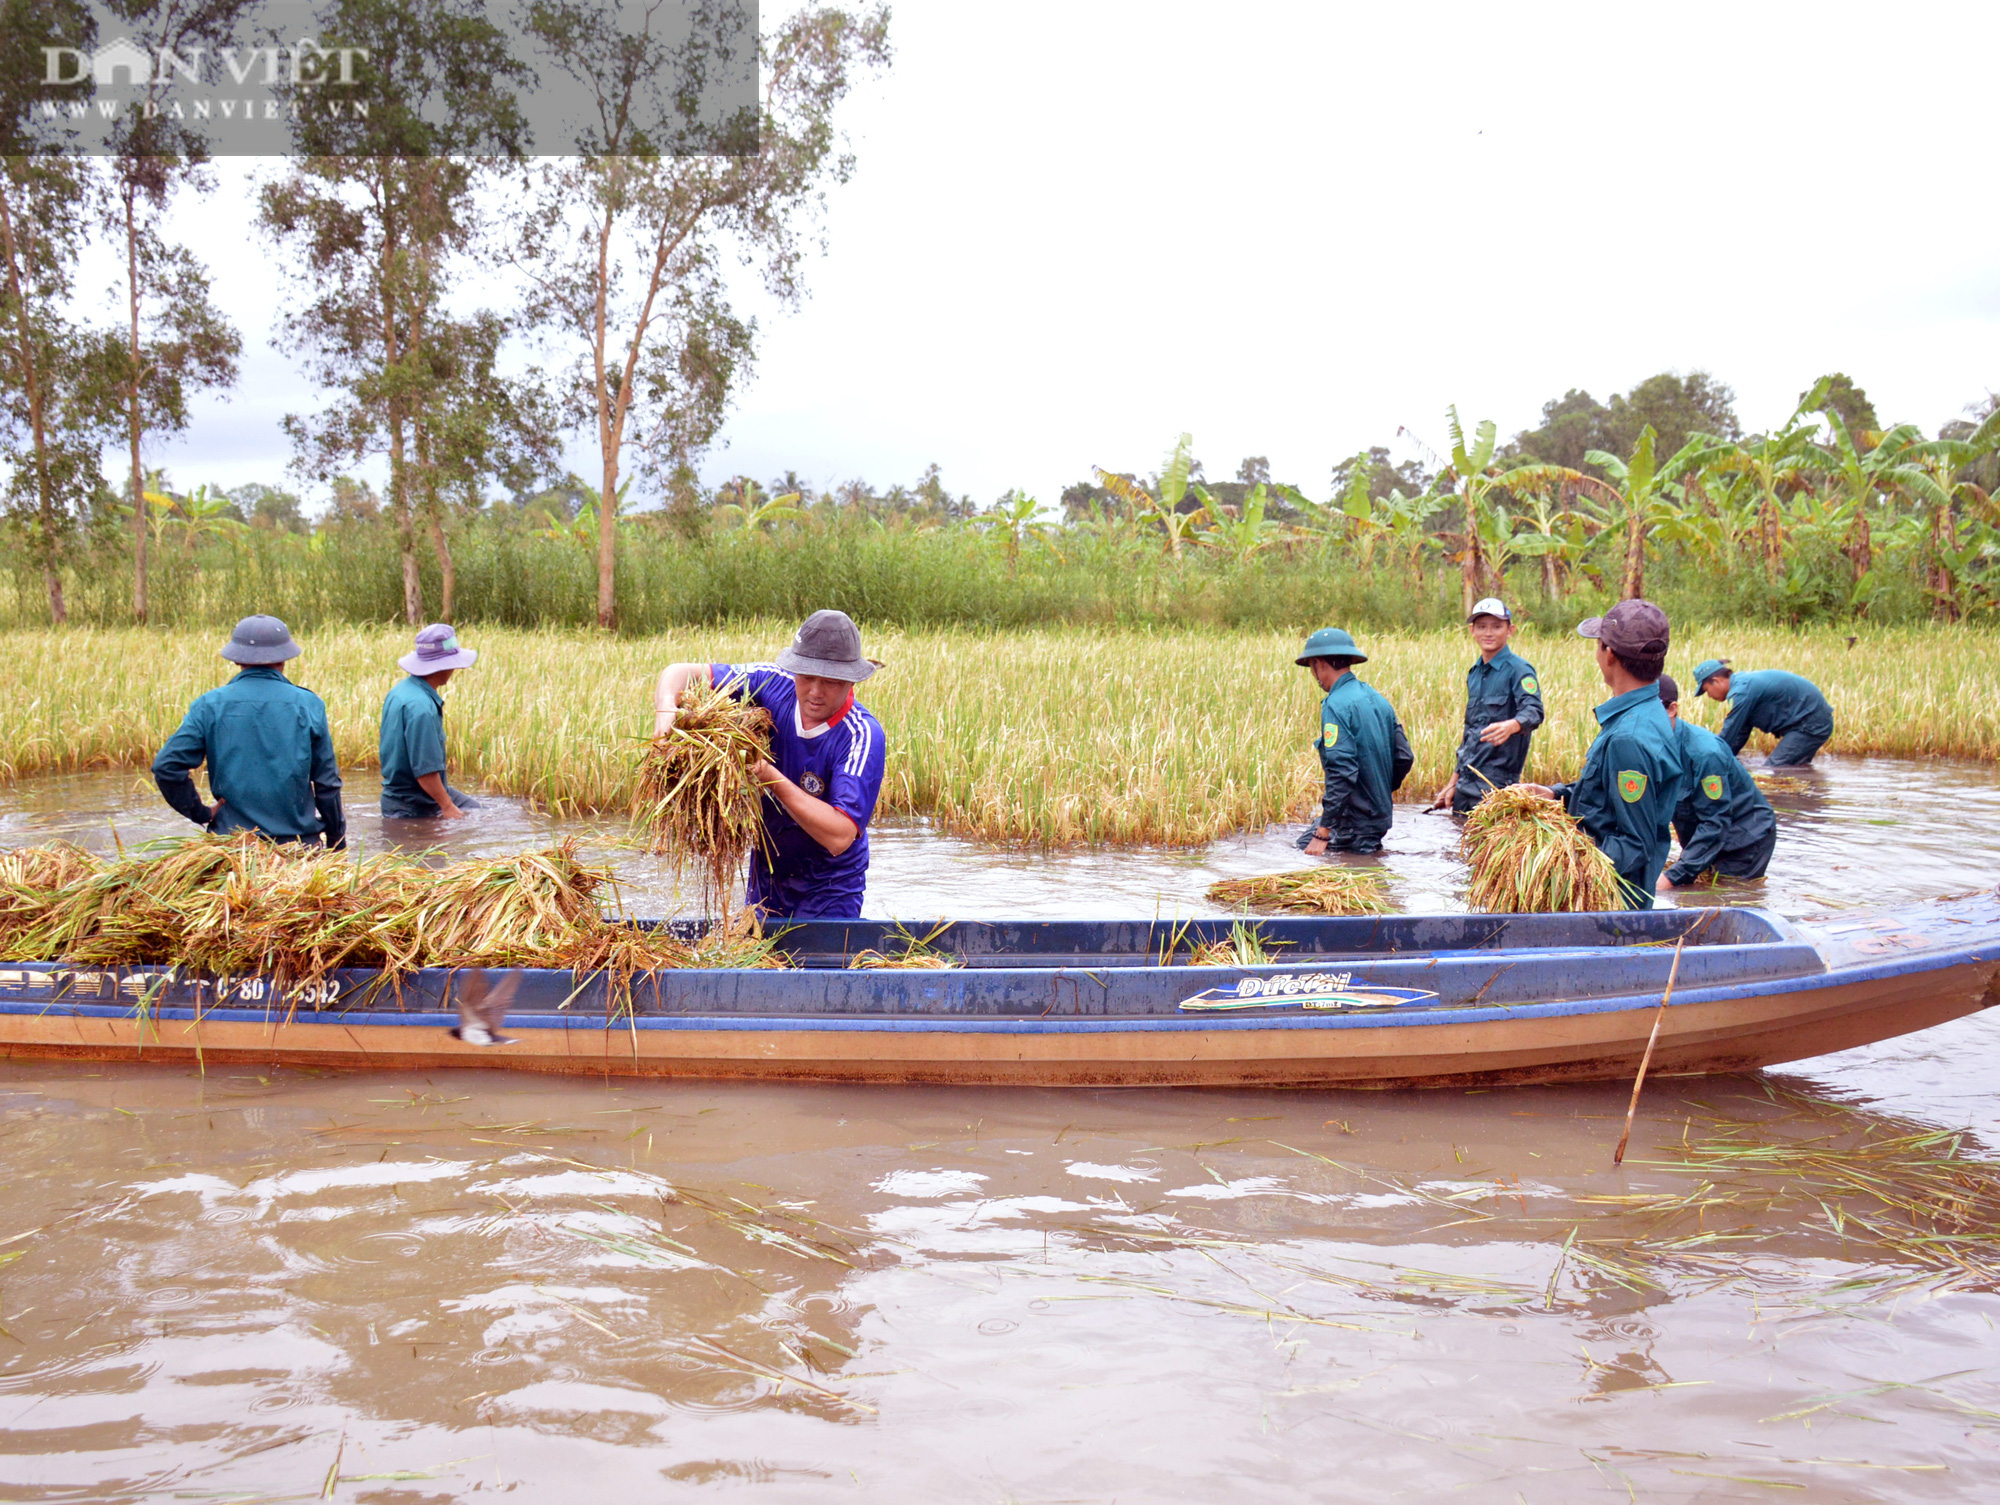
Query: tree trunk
x=1549, y=590
x=133, y=423
x=1472, y=573
x=447, y=572
x=1774, y=539
x=402, y=510
x=1634, y=583
x=37, y=412
x=1944, y=589
x=607, y=543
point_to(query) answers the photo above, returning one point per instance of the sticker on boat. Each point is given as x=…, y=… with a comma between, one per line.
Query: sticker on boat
x=1312, y=990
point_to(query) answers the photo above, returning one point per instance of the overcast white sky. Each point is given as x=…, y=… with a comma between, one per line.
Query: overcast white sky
x=1080, y=228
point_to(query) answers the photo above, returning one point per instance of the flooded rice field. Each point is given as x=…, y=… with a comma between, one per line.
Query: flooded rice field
x=425, y=1287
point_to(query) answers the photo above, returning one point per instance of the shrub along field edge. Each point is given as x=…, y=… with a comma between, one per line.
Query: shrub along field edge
x=1169, y=736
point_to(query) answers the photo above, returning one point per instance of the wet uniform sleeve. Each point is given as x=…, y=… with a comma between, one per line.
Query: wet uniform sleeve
x=1342, y=765
x=1626, y=822
x=423, y=744
x=1701, y=845
x=1401, y=759
x=1528, y=699
x=326, y=780
x=857, y=779
x=1736, y=726
x=185, y=751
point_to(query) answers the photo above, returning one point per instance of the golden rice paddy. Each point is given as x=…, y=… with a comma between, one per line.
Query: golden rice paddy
x=1069, y=736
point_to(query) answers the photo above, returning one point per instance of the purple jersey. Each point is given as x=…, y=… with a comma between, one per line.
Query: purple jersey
x=841, y=763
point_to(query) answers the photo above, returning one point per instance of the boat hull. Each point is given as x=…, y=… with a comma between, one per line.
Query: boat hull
x=1701, y=1031
x=1407, y=1001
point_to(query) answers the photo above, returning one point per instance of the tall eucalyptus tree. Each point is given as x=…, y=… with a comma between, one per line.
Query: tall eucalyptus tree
x=625, y=243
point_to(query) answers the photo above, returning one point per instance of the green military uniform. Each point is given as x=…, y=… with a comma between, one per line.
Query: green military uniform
x=1788, y=706
x=1365, y=758
x=412, y=745
x=269, y=755
x=1630, y=783
x=1723, y=820
x=1503, y=689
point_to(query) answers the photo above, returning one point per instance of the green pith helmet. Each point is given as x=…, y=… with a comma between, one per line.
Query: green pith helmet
x=1330, y=642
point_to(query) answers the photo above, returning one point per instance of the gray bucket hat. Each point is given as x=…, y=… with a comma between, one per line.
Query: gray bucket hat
x=829, y=645
x=260, y=640
x=437, y=650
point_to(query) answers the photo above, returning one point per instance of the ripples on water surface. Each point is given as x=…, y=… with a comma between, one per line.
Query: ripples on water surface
x=426, y=1287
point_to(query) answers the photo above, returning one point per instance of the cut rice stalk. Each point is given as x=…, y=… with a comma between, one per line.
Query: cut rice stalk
x=1528, y=855
x=697, y=799
x=1320, y=890
x=917, y=953
x=1245, y=947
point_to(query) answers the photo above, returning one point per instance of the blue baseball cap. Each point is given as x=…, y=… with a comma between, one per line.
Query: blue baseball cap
x=1330, y=642
x=1707, y=669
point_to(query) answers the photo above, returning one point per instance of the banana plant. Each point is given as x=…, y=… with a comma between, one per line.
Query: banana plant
x=1473, y=484
x=1647, y=494
x=756, y=509
x=205, y=514
x=582, y=529
x=1239, y=539
x=1854, y=480
x=1775, y=465
x=1015, y=520
x=1142, y=508
x=1929, y=474
x=1549, y=528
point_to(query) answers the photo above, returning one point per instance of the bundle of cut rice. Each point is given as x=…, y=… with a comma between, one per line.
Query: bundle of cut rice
x=1319, y=890
x=1528, y=855
x=697, y=799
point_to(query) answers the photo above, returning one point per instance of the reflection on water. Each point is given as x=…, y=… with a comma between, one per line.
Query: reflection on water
x=425, y=1287
x=281, y=1285
x=1853, y=831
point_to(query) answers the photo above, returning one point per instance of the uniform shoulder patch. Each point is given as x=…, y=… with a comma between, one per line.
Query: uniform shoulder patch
x=1330, y=733
x=1531, y=686
x=1712, y=786
x=1631, y=785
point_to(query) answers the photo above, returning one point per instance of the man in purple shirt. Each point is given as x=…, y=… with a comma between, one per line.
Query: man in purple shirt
x=824, y=773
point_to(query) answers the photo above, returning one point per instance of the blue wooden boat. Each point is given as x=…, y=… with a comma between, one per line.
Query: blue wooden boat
x=1408, y=1000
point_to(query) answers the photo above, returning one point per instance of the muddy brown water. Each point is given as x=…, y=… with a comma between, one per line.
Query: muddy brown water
x=400, y=1287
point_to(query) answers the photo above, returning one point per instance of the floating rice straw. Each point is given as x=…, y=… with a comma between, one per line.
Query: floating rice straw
x=1618, y=1155
x=1320, y=890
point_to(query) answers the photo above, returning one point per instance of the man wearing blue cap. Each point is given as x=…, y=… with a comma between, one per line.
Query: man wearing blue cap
x=265, y=740
x=1631, y=780
x=1362, y=750
x=1725, y=824
x=412, y=740
x=1503, y=706
x=1788, y=706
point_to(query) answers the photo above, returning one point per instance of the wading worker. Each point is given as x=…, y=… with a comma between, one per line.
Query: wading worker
x=1788, y=706
x=1631, y=780
x=1503, y=706
x=825, y=770
x=1724, y=822
x=266, y=743
x=1362, y=750
x=412, y=742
